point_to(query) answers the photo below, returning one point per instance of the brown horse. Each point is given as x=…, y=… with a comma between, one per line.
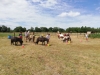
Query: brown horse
x=60, y=36
x=66, y=39
x=31, y=38
x=42, y=39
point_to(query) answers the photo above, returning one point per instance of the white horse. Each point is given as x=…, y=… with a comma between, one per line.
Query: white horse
x=60, y=36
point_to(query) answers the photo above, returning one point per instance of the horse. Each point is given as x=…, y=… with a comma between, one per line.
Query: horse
x=64, y=36
x=42, y=39
x=31, y=38
x=16, y=40
x=67, y=38
x=60, y=36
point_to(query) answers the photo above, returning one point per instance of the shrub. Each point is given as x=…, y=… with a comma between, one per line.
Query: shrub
x=94, y=35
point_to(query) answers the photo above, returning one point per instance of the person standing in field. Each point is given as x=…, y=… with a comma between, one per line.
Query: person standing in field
x=48, y=36
x=86, y=36
x=20, y=35
x=26, y=35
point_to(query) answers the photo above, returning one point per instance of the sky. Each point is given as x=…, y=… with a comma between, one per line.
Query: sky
x=50, y=13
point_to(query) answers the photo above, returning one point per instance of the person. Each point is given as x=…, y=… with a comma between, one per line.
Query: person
x=20, y=35
x=26, y=35
x=48, y=36
x=86, y=35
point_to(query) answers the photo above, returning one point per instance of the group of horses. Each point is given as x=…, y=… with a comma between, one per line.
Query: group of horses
x=38, y=39
x=65, y=37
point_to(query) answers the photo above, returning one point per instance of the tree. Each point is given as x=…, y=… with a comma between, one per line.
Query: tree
x=32, y=29
x=4, y=28
x=0, y=28
x=68, y=29
x=50, y=29
x=24, y=29
x=55, y=29
x=37, y=29
x=61, y=29
x=19, y=29
x=8, y=29
x=44, y=29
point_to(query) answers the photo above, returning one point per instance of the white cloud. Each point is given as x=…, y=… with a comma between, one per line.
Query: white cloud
x=36, y=0
x=63, y=14
x=85, y=20
x=15, y=13
x=48, y=3
x=70, y=14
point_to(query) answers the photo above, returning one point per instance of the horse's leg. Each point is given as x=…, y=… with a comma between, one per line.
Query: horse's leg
x=33, y=38
x=29, y=38
x=70, y=39
x=26, y=38
x=42, y=42
x=64, y=40
x=15, y=42
x=37, y=41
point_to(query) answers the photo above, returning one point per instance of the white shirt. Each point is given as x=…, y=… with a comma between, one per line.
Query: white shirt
x=86, y=35
x=25, y=33
x=48, y=36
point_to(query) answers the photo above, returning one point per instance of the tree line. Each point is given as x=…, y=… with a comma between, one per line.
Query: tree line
x=82, y=29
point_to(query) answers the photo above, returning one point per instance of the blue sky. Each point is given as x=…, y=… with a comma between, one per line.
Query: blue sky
x=50, y=13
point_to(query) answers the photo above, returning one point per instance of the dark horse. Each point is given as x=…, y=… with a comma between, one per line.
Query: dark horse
x=16, y=40
x=42, y=39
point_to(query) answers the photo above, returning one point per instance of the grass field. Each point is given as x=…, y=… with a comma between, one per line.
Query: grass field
x=80, y=57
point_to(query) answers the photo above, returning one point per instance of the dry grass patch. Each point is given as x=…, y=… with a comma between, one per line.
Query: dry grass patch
x=77, y=58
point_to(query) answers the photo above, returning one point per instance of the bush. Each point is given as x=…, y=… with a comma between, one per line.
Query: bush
x=94, y=35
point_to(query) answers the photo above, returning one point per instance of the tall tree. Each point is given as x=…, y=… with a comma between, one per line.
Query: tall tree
x=44, y=29
x=8, y=29
x=4, y=28
x=61, y=29
x=55, y=29
x=0, y=28
x=31, y=29
x=18, y=29
x=37, y=29
x=50, y=29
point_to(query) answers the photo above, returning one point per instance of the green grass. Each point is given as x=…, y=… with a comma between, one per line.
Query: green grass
x=77, y=58
x=7, y=34
x=94, y=35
